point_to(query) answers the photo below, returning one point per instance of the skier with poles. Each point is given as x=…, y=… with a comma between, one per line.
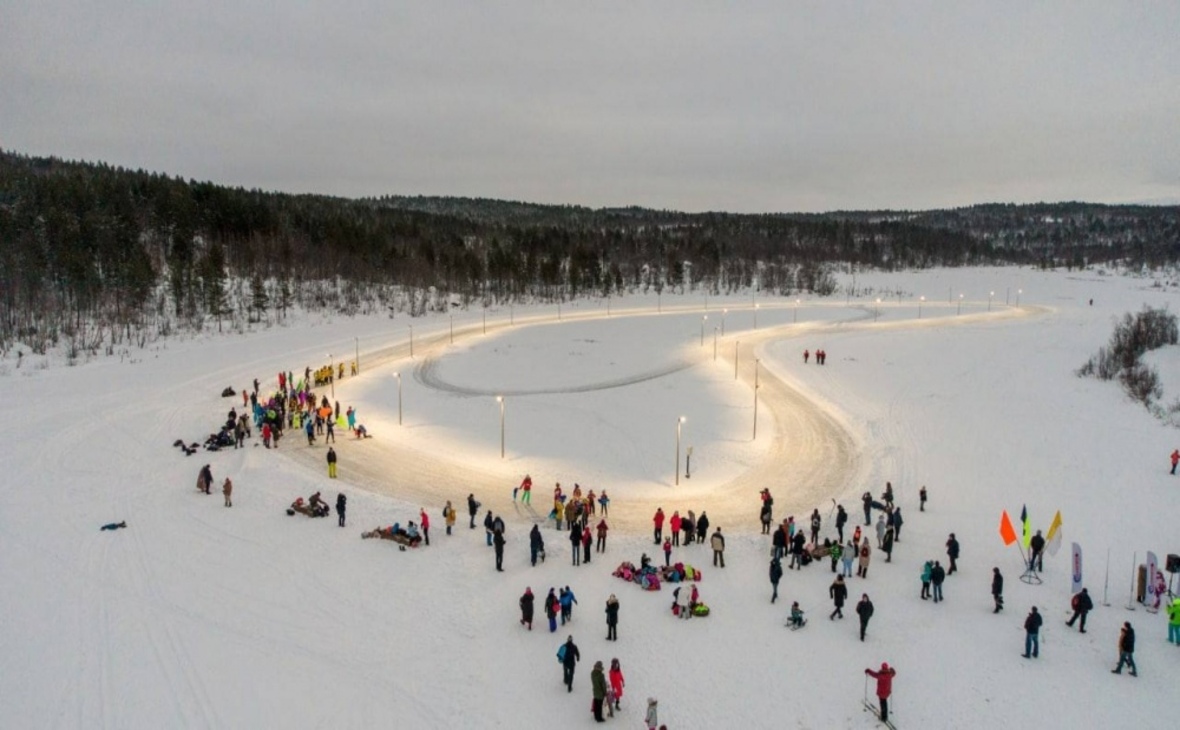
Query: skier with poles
x=884, y=678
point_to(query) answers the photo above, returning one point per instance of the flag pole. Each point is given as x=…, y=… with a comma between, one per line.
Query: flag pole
x=1131, y=596
x=1106, y=583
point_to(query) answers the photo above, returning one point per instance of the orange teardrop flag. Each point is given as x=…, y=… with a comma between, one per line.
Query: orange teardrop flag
x=1007, y=532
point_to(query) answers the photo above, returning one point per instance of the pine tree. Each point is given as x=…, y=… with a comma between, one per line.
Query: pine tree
x=259, y=299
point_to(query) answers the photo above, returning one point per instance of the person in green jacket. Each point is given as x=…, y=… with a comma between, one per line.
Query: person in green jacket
x=835, y=552
x=1174, y=622
x=598, y=680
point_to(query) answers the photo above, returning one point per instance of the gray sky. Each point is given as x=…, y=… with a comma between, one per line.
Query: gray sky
x=761, y=106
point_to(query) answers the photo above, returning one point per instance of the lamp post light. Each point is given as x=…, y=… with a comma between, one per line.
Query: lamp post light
x=399, y=397
x=756, y=386
x=500, y=400
x=452, y=329
x=723, y=313
x=714, y=344
x=703, y=318
x=706, y=300
x=1018, y=293
x=959, y=308
x=332, y=374
x=679, y=423
x=920, y=300
x=756, y=316
x=411, y=341
x=990, y=294
x=796, y=311
x=485, y=320
x=877, y=309
x=511, y=314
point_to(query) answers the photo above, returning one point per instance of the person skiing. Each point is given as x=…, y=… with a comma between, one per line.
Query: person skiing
x=838, y=591
x=612, y=618
x=884, y=679
x=601, y=529
x=536, y=545
x=472, y=508
x=616, y=681
x=998, y=590
x=717, y=542
x=1036, y=552
x=937, y=576
x=498, y=543
x=526, y=608
x=1126, y=650
x=864, y=610
x=598, y=685
x=552, y=607
x=526, y=486
x=331, y=462
x=227, y=490
x=341, y=507
x=927, y=570
x=841, y=520
x=658, y=522
x=424, y=523
x=449, y=516
x=1081, y=605
x=569, y=661
x=1032, y=634
x=776, y=574
x=952, y=552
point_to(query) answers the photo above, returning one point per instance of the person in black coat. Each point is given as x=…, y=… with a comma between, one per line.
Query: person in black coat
x=839, y=593
x=569, y=662
x=797, y=543
x=576, y=543
x=779, y=541
x=341, y=506
x=526, y=608
x=864, y=610
x=937, y=576
x=841, y=519
x=1036, y=557
x=612, y=618
x=498, y=541
x=867, y=499
x=1126, y=650
x=536, y=545
x=952, y=552
x=472, y=508
x=776, y=574
x=702, y=527
x=1081, y=605
x=998, y=589
x=1032, y=634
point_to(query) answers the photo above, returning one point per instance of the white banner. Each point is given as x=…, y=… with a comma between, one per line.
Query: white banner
x=1077, y=568
x=1149, y=598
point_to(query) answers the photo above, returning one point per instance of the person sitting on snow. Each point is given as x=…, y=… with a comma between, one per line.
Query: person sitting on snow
x=796, y=621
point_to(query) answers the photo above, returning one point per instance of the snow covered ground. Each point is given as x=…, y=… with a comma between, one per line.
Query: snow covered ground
x=202, y=616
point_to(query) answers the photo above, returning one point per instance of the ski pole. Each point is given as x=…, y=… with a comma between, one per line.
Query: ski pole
x=866, y=698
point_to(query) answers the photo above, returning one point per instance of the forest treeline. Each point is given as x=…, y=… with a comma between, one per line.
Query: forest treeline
x=104, y=255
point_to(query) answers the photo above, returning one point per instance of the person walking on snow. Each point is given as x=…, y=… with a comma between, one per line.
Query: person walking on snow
x=227, y=489
x=650, y=717
x=839, y=593
x=864, y=610
x=569, y=661
x=601, y=529
x=667, y=552
x=449, y=516
x=998, y=590
x=612, y=618
x=587, y=540
x=702, y=527
x=536, y=545
x=927, y=570
x=776, y=574
x=567, y=600
x=674, y=525
x=616, y=682
x=952, y=552
x=937, y=576
x=866, y=556
x=424, y=523
x=598, y=685
x=1032, y=634
x=498, y=543
x=472, y=508
x=1175, y=459
x=331, y=463
x=1126, y=650
x=816, y=521
x=884, y=679
x=846, y=557
x=576, y=544
x=841, y=520
x=526, y=608
x=658, y=522
x=552, y=608
x=880, y=530
x=487, y=526
x=922, y=499
x=1081, y=605
x=718, y=544
x=341, y=506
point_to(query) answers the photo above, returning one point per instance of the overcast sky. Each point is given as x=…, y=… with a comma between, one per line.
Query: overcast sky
x=775, y=106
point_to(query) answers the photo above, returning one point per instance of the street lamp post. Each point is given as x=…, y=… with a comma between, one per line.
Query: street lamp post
x=796, y=311
x=411, y=341
x=399, y=397
x=703, y=318
x=485, y=320
x=679, y=423
x=756, y=316
x=756, y=386
x=452, y=329
x=920, y=300
x=990, y=294
x=500, y=400
x=608, y=306
x=723, y=313
x=706, y=300
x=714, y=344
x=511, y=315
x=559, y=311
x=1007, y=294
x=357, y=340
x=959, y=308
x=1018, y=293
x=877, y=310
x=332, y=374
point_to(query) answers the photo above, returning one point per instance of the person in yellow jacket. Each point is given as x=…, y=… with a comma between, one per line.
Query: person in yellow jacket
x=449, y=516
x=1174, y=622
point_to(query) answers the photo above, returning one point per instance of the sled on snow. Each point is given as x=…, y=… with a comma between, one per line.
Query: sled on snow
x=398, y=536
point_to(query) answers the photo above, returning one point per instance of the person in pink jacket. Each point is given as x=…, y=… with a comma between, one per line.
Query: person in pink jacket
x=675, y=524
x=424, y=519
x=616, y=682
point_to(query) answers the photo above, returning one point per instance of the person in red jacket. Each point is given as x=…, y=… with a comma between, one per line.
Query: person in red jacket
x=424, y=521
x=658, y=521
x=1175, y=459
x=884, y=679
x=675, y=524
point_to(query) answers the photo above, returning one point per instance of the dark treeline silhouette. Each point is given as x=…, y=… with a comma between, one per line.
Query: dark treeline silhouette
x=104, y=255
